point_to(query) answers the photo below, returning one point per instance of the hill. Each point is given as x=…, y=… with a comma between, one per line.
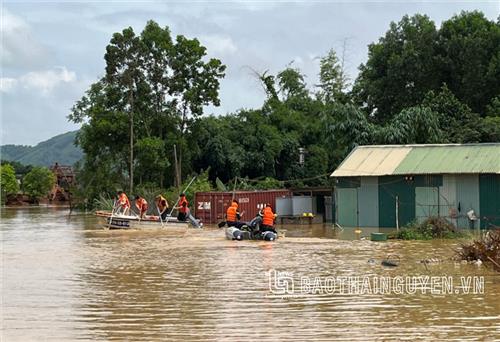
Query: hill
x=60, y=148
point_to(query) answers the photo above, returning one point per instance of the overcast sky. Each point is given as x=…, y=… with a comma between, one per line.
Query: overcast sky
x=52, y=51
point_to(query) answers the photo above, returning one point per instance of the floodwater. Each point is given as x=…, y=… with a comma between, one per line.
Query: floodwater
x=66, y=279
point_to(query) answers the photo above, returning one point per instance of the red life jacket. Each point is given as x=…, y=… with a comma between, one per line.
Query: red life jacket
x=267, y=216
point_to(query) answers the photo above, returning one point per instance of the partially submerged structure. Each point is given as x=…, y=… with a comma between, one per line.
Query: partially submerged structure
x=391, y=185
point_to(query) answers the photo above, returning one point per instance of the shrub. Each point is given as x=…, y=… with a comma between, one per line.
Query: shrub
x=431, y=228
x=486, y=249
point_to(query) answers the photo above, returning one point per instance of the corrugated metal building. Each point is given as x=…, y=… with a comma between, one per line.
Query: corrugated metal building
x=456, y=181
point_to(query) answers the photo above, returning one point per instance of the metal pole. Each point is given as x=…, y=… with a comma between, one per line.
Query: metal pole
x=187, y=187
x=397, y=213
x=160, y=215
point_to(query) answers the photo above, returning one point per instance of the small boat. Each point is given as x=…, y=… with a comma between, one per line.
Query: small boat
x=233, y=233
x=118, y=221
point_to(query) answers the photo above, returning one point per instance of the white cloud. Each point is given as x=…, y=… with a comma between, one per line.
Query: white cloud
x=19, y=48
x=218, y=45
x=7, y=84
x=44, y=81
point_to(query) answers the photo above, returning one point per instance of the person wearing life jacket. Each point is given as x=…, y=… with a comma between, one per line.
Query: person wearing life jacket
x=183, y=208
x=233, y=216
x=142, y=205
x=267, y=219
x=162, y=206
x=123, y=203
x=184, y=214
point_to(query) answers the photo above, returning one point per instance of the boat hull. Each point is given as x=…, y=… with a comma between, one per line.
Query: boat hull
x=131, y=222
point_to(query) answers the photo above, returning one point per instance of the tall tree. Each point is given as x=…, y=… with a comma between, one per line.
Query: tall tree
x=124, y=58
x=401, y=68
x=469, y=58
x=333, y=80
x=153, y=88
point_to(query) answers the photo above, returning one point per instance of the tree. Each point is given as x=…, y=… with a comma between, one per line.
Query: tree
x=346, y=127
x=291, y=83
x=9, y=183
x=456, y=120
x=38, y=182
x=333, y=81
x=493, y=109
x=124, y=75
x=151, y=160
x=414, y=125
x=153, y=89
x=490, y=129
x=401, y=68
x=469, y=58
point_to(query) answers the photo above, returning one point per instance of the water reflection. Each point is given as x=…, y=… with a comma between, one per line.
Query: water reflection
x=66, y=279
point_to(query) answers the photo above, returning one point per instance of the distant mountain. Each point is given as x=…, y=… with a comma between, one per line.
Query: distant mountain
x=60, y=148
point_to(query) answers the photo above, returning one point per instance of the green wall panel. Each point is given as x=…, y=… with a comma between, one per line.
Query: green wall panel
x=489, y=200
x=368, y=202
x=347, y=207
x=390, y=187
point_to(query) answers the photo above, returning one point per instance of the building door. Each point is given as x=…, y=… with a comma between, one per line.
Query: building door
x=347, y=207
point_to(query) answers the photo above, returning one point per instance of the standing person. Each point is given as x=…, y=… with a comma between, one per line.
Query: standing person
x=142, y=205
x=123, y=203
x=268, y=219
x=184, y=213
x=162, y=205
x=233, y=216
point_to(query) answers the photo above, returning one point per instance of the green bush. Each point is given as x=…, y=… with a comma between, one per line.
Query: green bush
x=432, y=228
x=8, y=181
x=38, y=182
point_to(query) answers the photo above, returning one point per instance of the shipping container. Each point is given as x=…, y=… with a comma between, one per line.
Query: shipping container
x=211, y=207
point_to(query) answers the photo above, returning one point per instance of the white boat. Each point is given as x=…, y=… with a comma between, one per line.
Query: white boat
x=118, y=221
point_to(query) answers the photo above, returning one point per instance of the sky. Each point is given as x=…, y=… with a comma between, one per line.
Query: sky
x=51, y=51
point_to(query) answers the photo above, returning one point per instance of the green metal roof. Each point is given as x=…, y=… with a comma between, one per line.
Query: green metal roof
x=381, y=160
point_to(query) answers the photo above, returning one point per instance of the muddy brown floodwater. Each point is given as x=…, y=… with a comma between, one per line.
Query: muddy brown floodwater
x=66, y=279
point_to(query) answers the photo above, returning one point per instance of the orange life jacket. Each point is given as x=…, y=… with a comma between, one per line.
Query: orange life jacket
x=123, y=200
x=141, y=204
x=183, y=205
x=267, y=216
x=231, y=213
